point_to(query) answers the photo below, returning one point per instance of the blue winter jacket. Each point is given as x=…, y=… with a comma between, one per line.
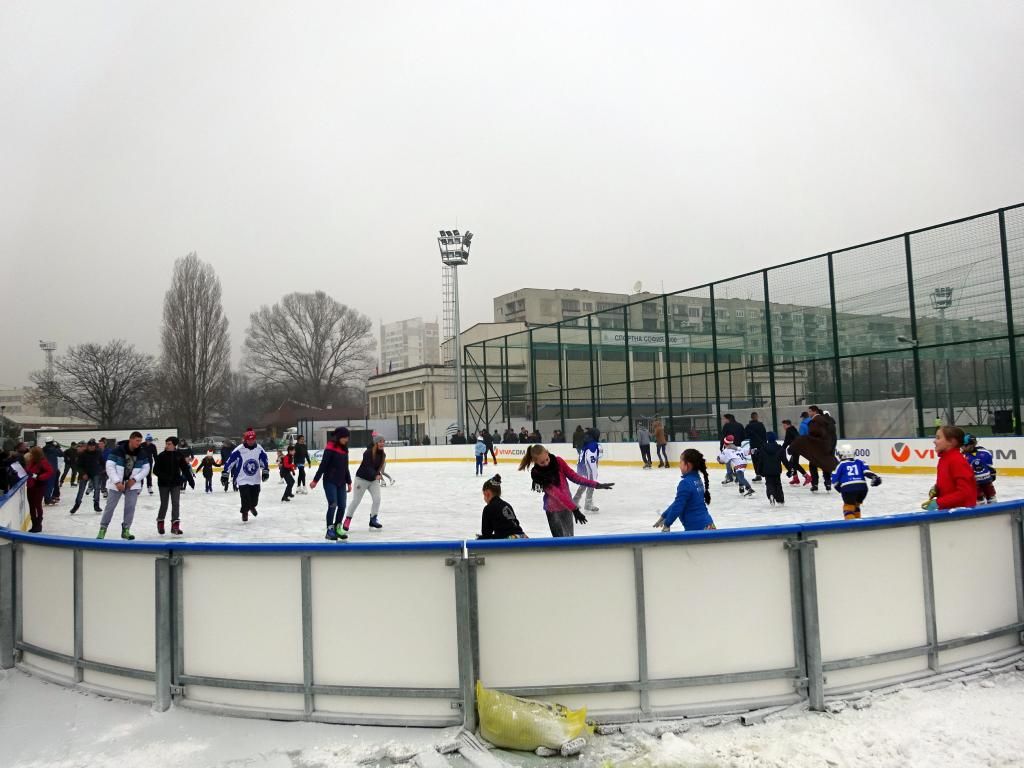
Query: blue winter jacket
x=804, y=428
x=689, y=504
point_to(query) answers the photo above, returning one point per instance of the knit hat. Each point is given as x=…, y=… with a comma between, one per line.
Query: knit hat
x=378, y=438
x=341, y=432
x=728, y=440
x=92, y=441
x=149, y=437
x=249, y=436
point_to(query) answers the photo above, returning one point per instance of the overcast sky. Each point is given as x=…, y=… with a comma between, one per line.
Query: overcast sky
x=301, y=145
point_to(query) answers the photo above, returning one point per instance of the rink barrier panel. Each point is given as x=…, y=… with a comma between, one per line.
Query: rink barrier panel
x=798, y=574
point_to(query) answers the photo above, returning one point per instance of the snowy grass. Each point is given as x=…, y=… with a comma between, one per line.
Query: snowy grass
x=443, y=501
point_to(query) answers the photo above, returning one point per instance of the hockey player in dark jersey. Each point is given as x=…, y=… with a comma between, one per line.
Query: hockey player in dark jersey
x=981, y=461
x=850, y=479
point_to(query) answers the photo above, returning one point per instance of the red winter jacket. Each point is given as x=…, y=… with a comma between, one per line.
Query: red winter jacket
x=287, y=463
x=955, y=481
x=40, y=474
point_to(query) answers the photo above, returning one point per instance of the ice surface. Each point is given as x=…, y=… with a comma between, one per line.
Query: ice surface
x=442, y=500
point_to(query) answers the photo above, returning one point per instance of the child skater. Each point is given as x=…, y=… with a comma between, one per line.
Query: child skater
x=735, y=458
x=550, y=475
x=250, y=469
x=981, y=461
x=849, y=479
x=481, y=452
x=499, y=519
x=288, y=473
x=692, y=496
x=207, y=465
x=590, y=454
x=768, y=462
x=954, y=484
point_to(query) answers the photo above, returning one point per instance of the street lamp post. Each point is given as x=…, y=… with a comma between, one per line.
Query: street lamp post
x=454, y=249
x=942, y=299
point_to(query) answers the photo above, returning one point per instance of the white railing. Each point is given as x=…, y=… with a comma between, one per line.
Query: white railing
x=635, y=627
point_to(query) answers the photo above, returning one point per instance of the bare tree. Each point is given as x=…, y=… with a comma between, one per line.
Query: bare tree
x=196, y=349
x=101, y=383
x=311, y=344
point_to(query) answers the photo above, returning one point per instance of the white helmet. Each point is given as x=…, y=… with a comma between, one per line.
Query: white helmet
x=845, y=451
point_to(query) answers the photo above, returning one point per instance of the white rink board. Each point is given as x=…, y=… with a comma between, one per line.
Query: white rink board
x=242, y=617
x=375, y=608
x=974, y=575
x=554, y=617
x=705, y=602
x=118, y=609
x=870, y=578
x=47, y=598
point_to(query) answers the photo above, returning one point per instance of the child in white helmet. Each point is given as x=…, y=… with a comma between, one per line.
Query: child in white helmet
x=851, y=480
x=736, y=458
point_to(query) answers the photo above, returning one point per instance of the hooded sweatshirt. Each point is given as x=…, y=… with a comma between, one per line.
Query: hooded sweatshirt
x=590, y=454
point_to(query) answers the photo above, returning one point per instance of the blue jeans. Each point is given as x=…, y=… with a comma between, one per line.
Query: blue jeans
x=480, y=463
x=336, y=499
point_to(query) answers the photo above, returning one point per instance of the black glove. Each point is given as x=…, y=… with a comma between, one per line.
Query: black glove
x=579, y=517
x=876, y=481
x=604, y=486
x=266, y=475
x=992, y=470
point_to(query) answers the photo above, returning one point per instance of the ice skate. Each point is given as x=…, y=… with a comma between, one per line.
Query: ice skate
x=331, y=534
x=245, y=516
x=747, y=493
x=794, y=480
x=807, y=479
x=126, y=534
x=340, y=532
x=96, y=507
x=176, y=528
x=592, y=509
x=346, y=523
x=102, y=532
x=375, y=523
x=74, y=509
x=160, y=527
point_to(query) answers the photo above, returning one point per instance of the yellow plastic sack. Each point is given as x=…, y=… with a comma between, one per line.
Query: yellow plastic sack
x=513, y=723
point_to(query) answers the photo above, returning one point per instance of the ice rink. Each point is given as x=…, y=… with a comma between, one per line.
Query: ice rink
x=442, y=500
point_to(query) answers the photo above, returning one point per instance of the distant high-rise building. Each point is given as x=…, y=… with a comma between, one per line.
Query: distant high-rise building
x=408, y=343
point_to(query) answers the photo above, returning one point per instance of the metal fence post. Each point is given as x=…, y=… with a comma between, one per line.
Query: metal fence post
x=716, y=427
x=162, y=696
x=1017, y=520
x=465, y=612
x=838, y=371
x=771, y=352
x=79, y=617
x=641, y=631
x=307, y=633
x=668, y=369
x=1011, y=338
x=6, y=605
x=629, y=371
x=931, y=630
x=811, y=627
x=915, y=350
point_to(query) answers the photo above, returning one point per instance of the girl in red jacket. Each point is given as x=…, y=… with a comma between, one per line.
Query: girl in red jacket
x=550, y=476
x=288, y=473
x=39, y=473
x=954, y=485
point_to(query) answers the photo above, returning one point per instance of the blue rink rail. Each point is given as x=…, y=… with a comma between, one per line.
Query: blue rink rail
x=635, y=627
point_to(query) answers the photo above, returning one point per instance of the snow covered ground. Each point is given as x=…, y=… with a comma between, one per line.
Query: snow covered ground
x=442, y=501
x=968, y=726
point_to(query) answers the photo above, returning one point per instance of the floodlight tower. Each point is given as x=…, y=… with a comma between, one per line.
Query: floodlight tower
x=454, y=248
x=49, y=347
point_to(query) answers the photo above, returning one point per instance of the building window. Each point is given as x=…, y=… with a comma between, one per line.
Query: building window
x=588, y=306
x=373, y=406
x=740, y=313
x=722, y=314
x=419, y=399
x=391, y=403
x=694, y=311
x=570, y=305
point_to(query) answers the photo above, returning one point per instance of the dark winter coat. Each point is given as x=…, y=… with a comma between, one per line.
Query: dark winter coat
x=457, y=439
x=334, y=465
x=499, y=521
x=791, y=435
x=90, y=462
x=816, y=445
x=830, y=429
x=768, y=460
x=756, y=434
x=53, y=454
x=301, y=454
x=169, y=466
x=71, y=457
x=206, y=465
x=225, y=453
x=370, y=467
x=577, y=438
x=735, y=429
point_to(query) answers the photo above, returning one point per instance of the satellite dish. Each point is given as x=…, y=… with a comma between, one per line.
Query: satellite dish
x=638, y=286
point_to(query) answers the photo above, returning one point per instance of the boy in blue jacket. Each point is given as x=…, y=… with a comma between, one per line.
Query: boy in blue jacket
x=692, y=497
x=851, y=480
